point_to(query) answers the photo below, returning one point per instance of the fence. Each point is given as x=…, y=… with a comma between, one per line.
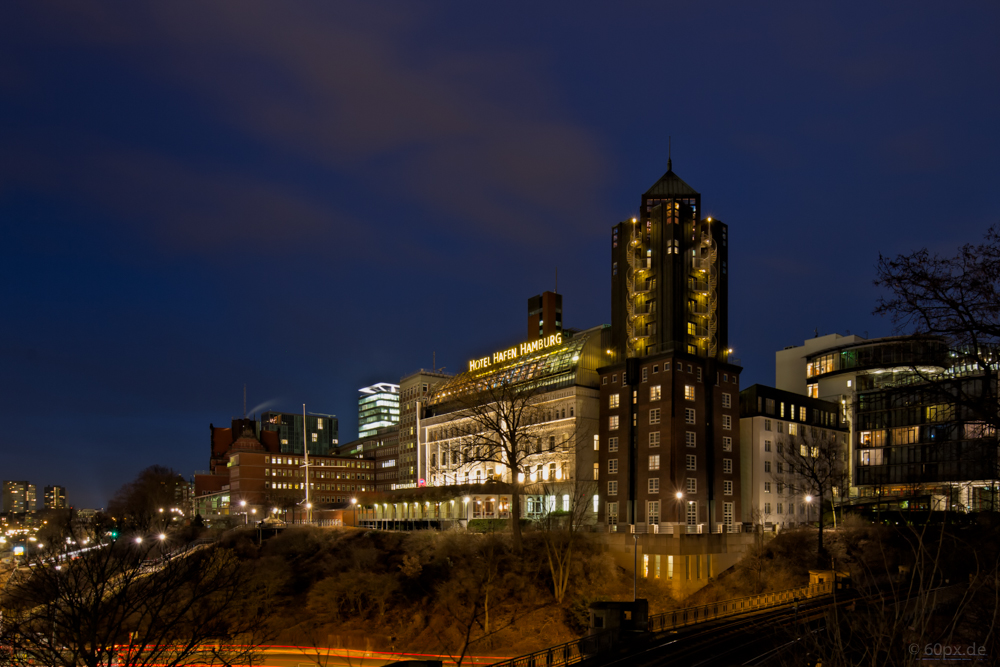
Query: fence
x=707, y=612
x=569, y=653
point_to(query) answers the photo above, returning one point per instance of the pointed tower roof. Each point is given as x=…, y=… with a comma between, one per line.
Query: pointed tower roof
x=670, y=185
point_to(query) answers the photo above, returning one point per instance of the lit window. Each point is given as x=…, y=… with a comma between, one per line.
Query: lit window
x=597, y=470
x=654, y=462
x=812, y=390
x=802, y=413
x=689, y=392
x=597, y=443
x=613, y=401
x=767, y=487
x=613, y=423
x=655, y=393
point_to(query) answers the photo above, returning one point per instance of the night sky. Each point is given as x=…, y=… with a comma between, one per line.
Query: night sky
x=310, y=198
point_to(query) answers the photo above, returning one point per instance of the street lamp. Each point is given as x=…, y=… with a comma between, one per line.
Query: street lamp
x=679, y=496
x=354, y=505
x=809, y=500
x=243, y=504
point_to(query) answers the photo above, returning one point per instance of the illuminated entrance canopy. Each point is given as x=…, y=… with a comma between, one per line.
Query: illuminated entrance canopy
x=509, y=354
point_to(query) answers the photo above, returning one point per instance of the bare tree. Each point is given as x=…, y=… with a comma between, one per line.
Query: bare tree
x=499, y=424
x=815, y=462
x=115, y=604
x=138, y=504
x=561, y=532
x=954, y=300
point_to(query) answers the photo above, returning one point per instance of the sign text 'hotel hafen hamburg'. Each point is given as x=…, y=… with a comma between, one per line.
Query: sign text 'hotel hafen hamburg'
x=514, y=352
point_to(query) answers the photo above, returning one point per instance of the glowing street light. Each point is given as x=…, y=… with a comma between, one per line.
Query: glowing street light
x=138, y=540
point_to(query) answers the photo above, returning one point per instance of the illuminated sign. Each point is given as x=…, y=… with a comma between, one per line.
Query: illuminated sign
x=514, y=352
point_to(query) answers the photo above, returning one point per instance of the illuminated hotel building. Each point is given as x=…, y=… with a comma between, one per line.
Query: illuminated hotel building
x=562, y=379
x=669, y=394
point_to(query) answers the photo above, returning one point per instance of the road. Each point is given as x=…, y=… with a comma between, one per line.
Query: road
x=310, y=656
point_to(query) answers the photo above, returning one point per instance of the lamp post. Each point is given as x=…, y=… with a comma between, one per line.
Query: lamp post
x=679, y=496
x=354, y=505
x=243, y=505
x=809, y=508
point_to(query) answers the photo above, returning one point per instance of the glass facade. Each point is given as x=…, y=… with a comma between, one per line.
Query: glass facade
x=378, y=407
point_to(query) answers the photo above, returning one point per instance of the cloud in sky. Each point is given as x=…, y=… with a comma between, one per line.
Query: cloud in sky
x=469, y=137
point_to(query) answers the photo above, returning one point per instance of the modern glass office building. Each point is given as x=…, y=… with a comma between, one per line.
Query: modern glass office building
x=378, y=407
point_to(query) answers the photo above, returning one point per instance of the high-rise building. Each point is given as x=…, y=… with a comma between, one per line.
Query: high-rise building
x=55, y=497
x=669, y=394
x=19, y=497
x=378, y=407
x=414, y=392
x=320, y=431
x=544, y=315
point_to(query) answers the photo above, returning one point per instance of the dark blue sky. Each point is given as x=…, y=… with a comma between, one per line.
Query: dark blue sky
x=310, y=198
